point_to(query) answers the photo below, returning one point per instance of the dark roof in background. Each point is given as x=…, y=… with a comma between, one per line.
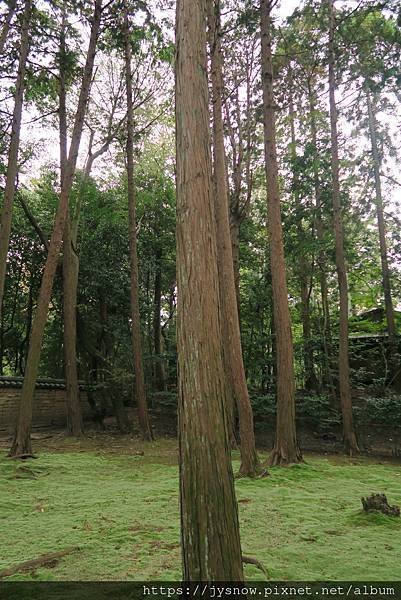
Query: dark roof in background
x=41, y=384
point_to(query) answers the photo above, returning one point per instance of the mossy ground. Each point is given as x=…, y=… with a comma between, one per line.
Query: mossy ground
x=303, y=522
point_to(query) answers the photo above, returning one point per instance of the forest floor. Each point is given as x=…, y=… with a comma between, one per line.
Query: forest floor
x=120, y=509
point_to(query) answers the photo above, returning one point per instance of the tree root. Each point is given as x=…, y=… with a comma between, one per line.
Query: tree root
x=280, y=457
x=23, y=456
x=249, y=560
x=49, y=560
x=259, y=473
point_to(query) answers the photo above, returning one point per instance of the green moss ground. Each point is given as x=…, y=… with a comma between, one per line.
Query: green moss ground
x=303, y=522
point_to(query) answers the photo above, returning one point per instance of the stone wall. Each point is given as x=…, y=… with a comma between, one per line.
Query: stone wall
x=48, y=408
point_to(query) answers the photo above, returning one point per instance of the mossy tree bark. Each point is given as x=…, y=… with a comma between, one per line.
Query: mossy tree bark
x=22, y=439
x=286, y=449
x=237, y=389
x=211, y=548
x=349, y=436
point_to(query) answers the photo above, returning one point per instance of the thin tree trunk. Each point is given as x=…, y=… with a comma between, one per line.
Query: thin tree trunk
x=232, y=350
x=75, y=424
x=310, y=377
x=106, y=344
x=380, y=220
x=6, y=25
x=22, y=441
x=350, y=441
x=160, y=377
x=321, y=260
x=140, y=393
x=210, y=539
x=12, y=166
x=286, y=449
x=235, y=240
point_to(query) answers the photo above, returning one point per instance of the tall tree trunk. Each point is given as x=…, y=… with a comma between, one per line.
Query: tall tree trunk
x=75, y=424
x=12, y=165
x=140, y=393
x=160, y=377
x=22, y=441
x=350, y=441
x=6, y=25
x=232, y=350
x=310, y=377
x=380, y=219
x=211, y=547
x=286, y=449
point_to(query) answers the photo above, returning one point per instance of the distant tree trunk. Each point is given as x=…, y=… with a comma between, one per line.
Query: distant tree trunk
x=106, y=343
x=286, y=449
x=310, y=377
x=160, y=377
x=75, y=424
x=12, y=165
x=380, y=219
x=210, y=539
x=140, y=393
x=350, y=441
x=241, y=141
x=232, y=350
x=22, y=441
x=235, y=240
x=321, y=260
x=6, y=24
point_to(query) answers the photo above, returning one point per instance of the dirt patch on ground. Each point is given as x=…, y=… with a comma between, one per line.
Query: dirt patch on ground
x=375, y=444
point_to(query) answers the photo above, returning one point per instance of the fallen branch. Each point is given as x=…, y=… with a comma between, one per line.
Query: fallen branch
x=249, y=560
x=46, y=560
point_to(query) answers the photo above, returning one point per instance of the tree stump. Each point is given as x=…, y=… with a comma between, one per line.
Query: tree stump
x=379, y=502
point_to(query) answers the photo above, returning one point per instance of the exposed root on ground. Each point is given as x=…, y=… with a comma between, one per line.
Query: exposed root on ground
x=23, y=456
x=46, y=560
x=249, y=560
x=281, y=457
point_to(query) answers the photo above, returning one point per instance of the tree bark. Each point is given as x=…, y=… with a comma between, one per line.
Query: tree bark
x=75, y=425
x=22, y=441
x=6, y=25
x=350, y=441
x=140, y=393
x=211, y=547
x=380, y=220
x=286, y=449
x=12, y=165
x=237, y=389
